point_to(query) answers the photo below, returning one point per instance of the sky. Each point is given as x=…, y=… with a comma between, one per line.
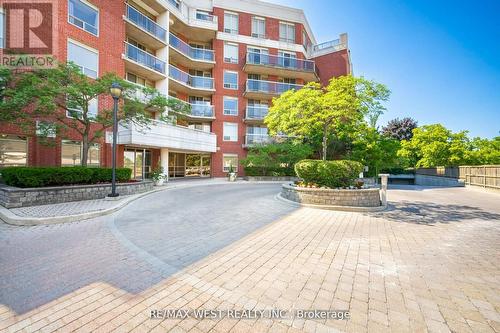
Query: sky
x=440, y=59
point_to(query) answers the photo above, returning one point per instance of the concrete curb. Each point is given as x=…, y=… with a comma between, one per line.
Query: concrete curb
x=330, y=207
x=10, y=218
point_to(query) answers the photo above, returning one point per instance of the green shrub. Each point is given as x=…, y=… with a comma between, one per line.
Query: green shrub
x=330, y=174
x=56, y=176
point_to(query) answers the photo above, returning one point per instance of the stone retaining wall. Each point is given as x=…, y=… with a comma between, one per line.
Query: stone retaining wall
x=14, y=197
x=318, y=196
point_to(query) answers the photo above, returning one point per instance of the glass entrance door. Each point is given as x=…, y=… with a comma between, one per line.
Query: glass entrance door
x=139, y=161
x=197, y=165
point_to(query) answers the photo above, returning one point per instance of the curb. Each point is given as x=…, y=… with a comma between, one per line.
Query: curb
x=330, y=207
x=10, y=218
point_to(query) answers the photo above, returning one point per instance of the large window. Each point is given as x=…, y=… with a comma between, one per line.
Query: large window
x=230, y=106
x=84, y=16
x=91, y=114
x=230, y=132
x=231, y=53
x=71, y=153
x=13, y=150
x=85, y=58
x=231, y=80
x=229, y=160
x=258, y=27
x=2, y=30
x=231, y=23
x=287, y=32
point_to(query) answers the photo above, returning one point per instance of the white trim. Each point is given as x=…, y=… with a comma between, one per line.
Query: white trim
x=82, y=45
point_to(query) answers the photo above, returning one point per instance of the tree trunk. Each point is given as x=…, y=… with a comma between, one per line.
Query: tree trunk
x=85, y=149
x=325, y=141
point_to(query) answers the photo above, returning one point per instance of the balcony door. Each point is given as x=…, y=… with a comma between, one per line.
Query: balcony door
x=287, y=59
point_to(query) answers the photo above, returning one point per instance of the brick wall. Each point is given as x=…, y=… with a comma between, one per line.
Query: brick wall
x=333, y=65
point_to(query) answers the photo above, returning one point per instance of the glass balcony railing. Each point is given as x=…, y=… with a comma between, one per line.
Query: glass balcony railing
x=205, y=17
x=142, y=57
x=198, y=110
x=253, y=139
x=189, y=51
x=270, y=87
x=257, y=111
x=335, y=44
x=198, y=82
x=146, y=23
x=280, y=62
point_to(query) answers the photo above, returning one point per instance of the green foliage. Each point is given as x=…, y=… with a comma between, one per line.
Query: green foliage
x=484, y=151
x=313, y=111
x=276, y=159
x=330, y=174
x=57, y=176
x=375, y=151
x=157, y=173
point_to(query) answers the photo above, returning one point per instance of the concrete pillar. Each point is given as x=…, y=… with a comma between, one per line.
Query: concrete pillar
x=164, y=162
x=343, y=39
x=384, y=177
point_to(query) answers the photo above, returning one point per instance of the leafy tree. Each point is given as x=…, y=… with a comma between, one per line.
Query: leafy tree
x=400, y=129
x=313, y=111
x=435, y=145
x=64, y=94
x=375, y=150
x=485, y=151
x=275, y=159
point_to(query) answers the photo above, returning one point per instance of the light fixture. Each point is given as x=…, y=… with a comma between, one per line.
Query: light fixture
x=115, y=90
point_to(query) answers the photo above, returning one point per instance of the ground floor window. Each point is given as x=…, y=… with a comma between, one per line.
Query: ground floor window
x=13, y=150
x=71, y=153
x=197, y=165
x=139, y=161
x=229, y=160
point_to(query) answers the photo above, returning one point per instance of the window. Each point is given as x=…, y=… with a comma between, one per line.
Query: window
x=230, y=132
x=71, y=153
x=305, y=41
x=2, y=31
x=45, y=129
x=77, y=113
x=13, y=150
x=231, y=23
x=230, y=80
x=287, y=59
x=231, y=53
x=203, y=15
x=84, y=16
x=287, y=32
x=84, y=58
x=230, y=106
x=229, y=160
x=258, y=27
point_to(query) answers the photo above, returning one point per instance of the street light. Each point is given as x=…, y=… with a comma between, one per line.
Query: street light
x=115, y=91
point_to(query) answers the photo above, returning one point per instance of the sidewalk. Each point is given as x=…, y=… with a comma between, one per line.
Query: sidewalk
x=87, y=209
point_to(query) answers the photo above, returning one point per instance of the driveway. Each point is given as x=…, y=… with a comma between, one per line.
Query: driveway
x=431, y=262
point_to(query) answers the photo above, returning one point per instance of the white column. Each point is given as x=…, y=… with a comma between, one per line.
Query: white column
x=164, y=161
x=162, y=85
x=383, y=190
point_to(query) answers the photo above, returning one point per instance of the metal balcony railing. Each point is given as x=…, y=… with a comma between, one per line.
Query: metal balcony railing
x=189, y=51
x=199, y=82
x=198, y=110
x=145, y=23
x=146, y=59
x=280, y=62
x=270, y=87
x=257, y=111
x=253, y=139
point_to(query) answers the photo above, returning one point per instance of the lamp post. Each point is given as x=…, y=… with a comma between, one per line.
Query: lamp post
x=115, y=91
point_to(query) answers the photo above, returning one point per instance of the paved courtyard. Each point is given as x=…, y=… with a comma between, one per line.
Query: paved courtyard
x=429, y=263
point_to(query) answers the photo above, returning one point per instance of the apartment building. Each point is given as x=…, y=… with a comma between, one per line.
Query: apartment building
x=226, y=58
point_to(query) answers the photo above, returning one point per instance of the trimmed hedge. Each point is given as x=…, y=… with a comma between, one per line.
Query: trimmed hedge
x=269, y=171
x=58, y=176
x=330, y=174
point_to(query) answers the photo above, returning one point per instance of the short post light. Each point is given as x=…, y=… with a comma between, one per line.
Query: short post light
x=116, y=92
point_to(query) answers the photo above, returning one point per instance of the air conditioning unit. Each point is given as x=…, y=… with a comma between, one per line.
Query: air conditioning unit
x=227, y=138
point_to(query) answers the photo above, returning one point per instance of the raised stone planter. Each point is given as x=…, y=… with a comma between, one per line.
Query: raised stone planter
x=270, y=178
x=331, y=198
x=14, y=197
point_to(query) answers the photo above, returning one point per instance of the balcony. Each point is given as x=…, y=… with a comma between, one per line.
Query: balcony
x=190, y=84
x=144, y=30
x=143, y=63
x=198, y=111
x=188, y=21
x=162, y=135
x=330, y=46
x=268, y=64
x=256, y=139
x=259, y=89
x=188, y=56
x=256, y=113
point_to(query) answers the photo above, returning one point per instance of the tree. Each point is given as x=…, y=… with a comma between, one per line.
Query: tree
x=485, y=151
x=314, y=111
x=66, y=95
x=435, y=145
x=400, y=129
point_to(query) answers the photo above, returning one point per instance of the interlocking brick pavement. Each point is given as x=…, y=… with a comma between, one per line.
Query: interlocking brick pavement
x=430, y=263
